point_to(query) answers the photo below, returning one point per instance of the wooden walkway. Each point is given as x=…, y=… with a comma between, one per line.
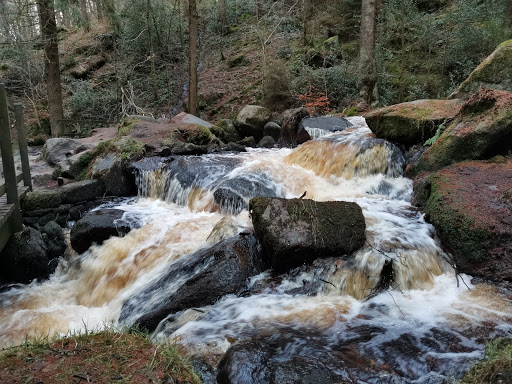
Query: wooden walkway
x=10, y=192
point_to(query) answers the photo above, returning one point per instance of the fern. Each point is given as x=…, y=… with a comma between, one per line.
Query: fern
x=439, y=131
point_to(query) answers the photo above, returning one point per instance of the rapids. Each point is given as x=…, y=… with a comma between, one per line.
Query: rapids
x=427, y=327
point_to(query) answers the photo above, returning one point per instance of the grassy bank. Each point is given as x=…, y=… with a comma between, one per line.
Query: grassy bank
x=104, y=357
x=496, y=367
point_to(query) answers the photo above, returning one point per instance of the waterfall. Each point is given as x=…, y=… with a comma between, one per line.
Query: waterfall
x=187, y=203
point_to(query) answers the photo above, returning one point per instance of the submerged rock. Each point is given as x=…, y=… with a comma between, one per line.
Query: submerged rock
x=96, y=227
x=294, y=232
x=197, y=280
x=413, y=122
x=494, y=72
x=481, y=130
x=470, y=204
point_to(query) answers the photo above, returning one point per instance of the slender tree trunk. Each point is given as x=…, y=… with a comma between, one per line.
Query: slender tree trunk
x=192, y=46
x=51, y=62
x=402, y=52
x=151, y=50
x=223, y=22
x=86, y=22
x=367, y=72
x=508, y=14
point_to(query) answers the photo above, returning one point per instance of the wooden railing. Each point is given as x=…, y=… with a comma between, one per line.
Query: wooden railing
x=81, y=128
x=10, y=193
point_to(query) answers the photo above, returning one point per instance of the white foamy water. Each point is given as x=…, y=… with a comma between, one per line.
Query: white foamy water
x=183, y=210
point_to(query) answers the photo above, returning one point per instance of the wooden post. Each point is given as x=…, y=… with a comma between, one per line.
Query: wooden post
x=8, y=161
x=22, y=142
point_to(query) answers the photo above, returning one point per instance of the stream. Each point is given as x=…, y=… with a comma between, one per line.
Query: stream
x=323, y=323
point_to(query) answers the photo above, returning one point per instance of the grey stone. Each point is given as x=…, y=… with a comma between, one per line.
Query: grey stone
x=272, y=129
x=56, y=150
x=86, y=190
x=267, y=142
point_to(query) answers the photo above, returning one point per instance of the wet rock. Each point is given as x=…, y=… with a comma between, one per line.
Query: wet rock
x=251, y=120
x=234, y=147
x=267, y=142
x=297, y=231
x=197, y=280
x=188, y=149
x=318, y=126
x=272, y=129
x=413, y=122
x=55, y=240
x=470, y=205
x=115, y=176
x=24, y=257
x=292, y=133
x=96, y=227
x=495, y=72
x=248, y=142
x=56, y=150
x=230, y=202
x=481, y=130
x=80, y=191
x=38, y=200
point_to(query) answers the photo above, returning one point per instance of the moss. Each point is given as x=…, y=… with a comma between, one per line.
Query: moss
x=126, y=126
x=238, y=61
x=200, y=135
x=131, y=149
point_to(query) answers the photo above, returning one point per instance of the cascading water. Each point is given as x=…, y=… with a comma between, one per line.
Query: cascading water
x=335, y=317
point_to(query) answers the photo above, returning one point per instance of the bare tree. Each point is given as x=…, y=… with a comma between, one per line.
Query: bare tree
x=51, y=60
x=192, y=47
x=367, y=72
x=222, y=11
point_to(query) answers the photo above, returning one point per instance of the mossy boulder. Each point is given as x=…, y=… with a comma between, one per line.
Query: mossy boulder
x=470, y=205
x=38, y=200
x=495, y=72
x=413, y=122
x=481, y=130
x=225, y=130
x=296, y=231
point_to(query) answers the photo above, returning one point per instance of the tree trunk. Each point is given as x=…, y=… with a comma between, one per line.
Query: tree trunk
x=151, y=50
x=192, y=47
x=51, y=62
x=508, y=15
x=367, y=72
x=223, y=22
x=84, y=14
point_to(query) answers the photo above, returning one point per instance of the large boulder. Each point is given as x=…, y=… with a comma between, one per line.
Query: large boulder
x=55, y=240
x=38, y=200
x=322, y=125
x=225, y=130
x=481, y=130
x=96, y=227
x=80, y=191
x=24, y=257
x=252, y=119
x=293, y=133
x=115, y=175
x=470, y=205
x=56, y=150
x=294, y=232
x=494, y=72
x=413, y=122
x=203, y=278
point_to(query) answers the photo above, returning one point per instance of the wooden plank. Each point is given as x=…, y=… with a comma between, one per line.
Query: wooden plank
x=19, y=177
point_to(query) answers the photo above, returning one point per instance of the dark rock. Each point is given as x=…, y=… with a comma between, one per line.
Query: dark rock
x=481, y=130
x=470, y=205
x=266, y=142
x=208, y=275
x=248, y=142
x=272, y=129
x=86, y=190
x=414, y=122
x=251, y=120
x=37, y=200
x=47, y=218
x=226, y=131
x=297, y=231
x=115, y=175
x=96, y=227
x=294, y=113
x=76, y=212
x=292, y=133
x=234, y=147
x=189, y=149
x=318, y=126
x=229, y=201
x=24, y=257
x=55, y=240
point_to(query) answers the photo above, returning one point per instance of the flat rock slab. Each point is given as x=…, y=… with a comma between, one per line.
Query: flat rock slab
x=470, y=204
x=321, y=125
x=295, y=231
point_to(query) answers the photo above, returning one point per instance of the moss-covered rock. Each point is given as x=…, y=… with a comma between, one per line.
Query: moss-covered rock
x=412, y=123
x=495, y=72
x=481, y=130
x=38, y=200
x=470, y=204
x=296, y=231
x=226, y=131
